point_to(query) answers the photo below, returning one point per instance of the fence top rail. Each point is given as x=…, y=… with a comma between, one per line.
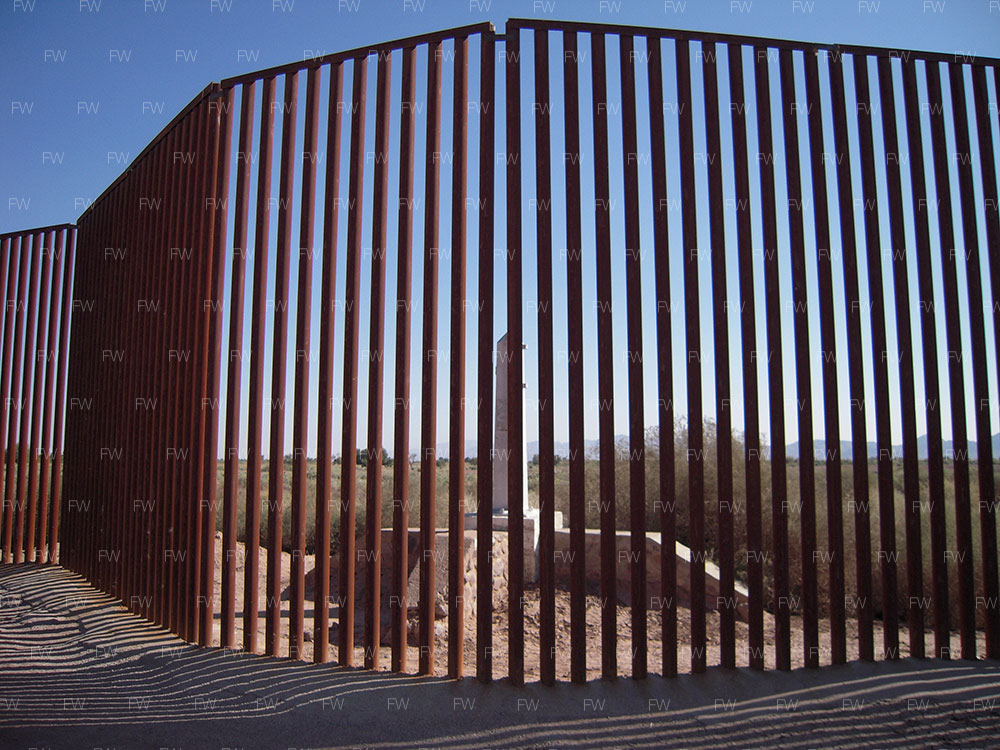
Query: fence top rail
x=539, y=24
x=208, y=91
x=35, y=230
x=362, y=51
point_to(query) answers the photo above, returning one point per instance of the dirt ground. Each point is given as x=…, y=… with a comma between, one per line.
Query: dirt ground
x=532, y=619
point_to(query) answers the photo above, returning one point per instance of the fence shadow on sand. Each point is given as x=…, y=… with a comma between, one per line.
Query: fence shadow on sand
x=78, y=668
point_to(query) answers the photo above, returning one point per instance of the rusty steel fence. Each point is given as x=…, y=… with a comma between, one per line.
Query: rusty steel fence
x=145, y=341
x=758, y=148
x=36, y=278
x=729, y=259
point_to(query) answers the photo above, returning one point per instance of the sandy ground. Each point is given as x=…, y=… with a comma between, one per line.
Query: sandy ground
x=562, y=617
x=79, y=671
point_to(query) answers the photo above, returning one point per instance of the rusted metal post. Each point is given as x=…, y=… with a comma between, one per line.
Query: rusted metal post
x=25, y=401
x=636, y=418
x=231, y=483
x=376, y=348
x=456, y=422
x=803, y=373
x=953, y=343
x=987, y=506
x=11, y=357
x=258, y=357
x=886, y=558
x=300, y=424
x=776, y=393
x=484, y=443
x=928, y=317
x=276, y=463
x=428, y=364
x=692, y=330
x=398, y=604
x=725, y=500
x=546, y=388
x=331, y=205
x=907, y=398
x=859, y=439
x=605, y=363
x=574, y=310
x=348, y=468
x=57, y=480
x=665, y=504
x=217, y=205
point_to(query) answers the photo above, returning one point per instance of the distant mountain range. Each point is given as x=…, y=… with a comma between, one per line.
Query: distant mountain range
x=847, y=449
x=792, y=450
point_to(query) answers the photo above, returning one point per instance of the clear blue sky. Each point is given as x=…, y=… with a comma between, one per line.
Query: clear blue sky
x=85, y=85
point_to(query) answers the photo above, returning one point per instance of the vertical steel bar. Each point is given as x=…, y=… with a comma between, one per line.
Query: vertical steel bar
x=751, y=415
x=665, y=504
x=987, y=489
x=152, y=482
x=401, y=425
x=178, y=257
x=207, y=424
x=231, y=481
x=63, y=481
x=88, y=521
x=143, y=467
x=68, y=523
x=605, y=362
x=953, y=342
x=194, y=530
x=484, y=453
x=143, y=235
x=428, y=385
x=880, y=360
x=803, y=374
x=859, y=439
x=26, y=400
x=692, y=329
x=300, y=425
x=928, y=317
x=911, y=477
x=6, y=283
x=546, y=425
x=203, y=538
x=11, y=357
x=456, y=430
x=324, y=421
x=636, y=417
x=251, y=605
x=776, y=392
x=725, y=499
x=57, y=479
x=217, y=204
x=376, y=348
x=143, y=179
x=276, y=462
x=348, y=481
x=398, y=604
x=152, y=475
x=574, y=309
x=515, y=363
x=84, y=385
x=109, y=444
x=6, y=262
x=140, y=230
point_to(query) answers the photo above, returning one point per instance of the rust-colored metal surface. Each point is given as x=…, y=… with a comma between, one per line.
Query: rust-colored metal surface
x=112, y=367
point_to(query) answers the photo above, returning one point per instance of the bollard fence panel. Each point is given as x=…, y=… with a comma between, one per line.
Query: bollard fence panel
x=773, y=449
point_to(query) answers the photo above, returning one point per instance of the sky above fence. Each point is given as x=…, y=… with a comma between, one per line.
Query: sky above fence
x=87, y=85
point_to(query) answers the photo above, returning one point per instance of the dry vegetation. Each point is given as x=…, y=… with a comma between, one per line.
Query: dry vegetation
x=681, y=509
